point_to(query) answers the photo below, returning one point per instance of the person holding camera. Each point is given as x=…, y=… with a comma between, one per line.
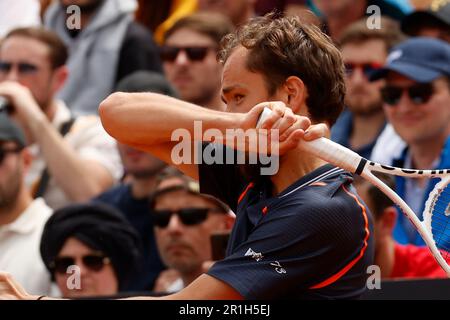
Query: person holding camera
x=73, y=159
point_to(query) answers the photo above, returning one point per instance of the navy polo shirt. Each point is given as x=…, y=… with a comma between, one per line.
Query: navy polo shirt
x=311, y=241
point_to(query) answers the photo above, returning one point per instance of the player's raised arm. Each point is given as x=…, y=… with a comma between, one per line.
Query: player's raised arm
x=148, y=119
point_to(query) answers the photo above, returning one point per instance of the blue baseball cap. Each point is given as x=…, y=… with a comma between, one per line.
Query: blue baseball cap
x=421, y=59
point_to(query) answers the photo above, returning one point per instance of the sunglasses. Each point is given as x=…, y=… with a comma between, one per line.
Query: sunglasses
x=419, y=93
x=4, y=152
x=94, y=262
x=367, y=68
x=188, y=216
x=168, y=53
x=22, y=67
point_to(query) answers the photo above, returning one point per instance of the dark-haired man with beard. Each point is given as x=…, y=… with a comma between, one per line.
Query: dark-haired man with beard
x=363, y=51
x=106, y=46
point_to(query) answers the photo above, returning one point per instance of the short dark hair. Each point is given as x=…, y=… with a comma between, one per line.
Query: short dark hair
x=213, y=25
x=358, y=32
x=58, y=51
x=286, y=46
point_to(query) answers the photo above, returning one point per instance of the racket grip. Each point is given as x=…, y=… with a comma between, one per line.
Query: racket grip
x=325, y=149
x=333, y=153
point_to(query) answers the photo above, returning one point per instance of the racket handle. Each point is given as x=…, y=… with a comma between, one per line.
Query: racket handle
x=326, y=149
x=333, y=153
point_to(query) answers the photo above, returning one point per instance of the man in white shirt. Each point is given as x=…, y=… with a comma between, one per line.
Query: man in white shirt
x=81, y=159
x=22, y=219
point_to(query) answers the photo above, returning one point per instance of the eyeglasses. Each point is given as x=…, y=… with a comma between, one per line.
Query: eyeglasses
x=419, y=93
x=367, y=68
x=168, y=53
x=5, y=151
x=22, y=67
x=94, y=262
x=188, y=216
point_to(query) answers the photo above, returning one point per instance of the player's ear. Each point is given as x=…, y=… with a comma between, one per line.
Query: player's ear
x=295, y=90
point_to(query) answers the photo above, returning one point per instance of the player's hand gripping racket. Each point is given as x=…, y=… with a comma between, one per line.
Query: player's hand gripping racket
x=435, y=227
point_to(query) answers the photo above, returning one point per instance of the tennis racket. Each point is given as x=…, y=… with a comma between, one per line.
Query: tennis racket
x=435, y=227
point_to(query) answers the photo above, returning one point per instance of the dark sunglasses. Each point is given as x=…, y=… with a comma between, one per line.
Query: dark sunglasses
x=168, y=53
x=419, y=93
x=94, y=262
x=23, y=67
x=5, y=151
x=367, y=68
x=188, y=216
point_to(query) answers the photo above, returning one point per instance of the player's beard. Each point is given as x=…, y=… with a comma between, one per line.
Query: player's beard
x=252, y=171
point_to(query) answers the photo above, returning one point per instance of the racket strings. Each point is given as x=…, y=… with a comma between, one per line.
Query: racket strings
x=440, y=222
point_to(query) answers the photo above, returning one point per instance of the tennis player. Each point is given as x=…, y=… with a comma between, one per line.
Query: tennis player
x=300, y=233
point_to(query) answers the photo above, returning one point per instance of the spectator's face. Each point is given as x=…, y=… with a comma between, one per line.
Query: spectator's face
x=197, y=81
x=185, y=247
x=423, y=122
x=101, y=282
x=242, y=89
x=234, y=9
x=139, y=163
x=363, y=97
x=26, y=61
x=10, y=175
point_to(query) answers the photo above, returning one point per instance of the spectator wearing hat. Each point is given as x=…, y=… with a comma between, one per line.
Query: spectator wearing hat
x=94, y=242
x=416, y=102
x=184, y=221
x=21, y=218
x=131, y=196
x=432, y=22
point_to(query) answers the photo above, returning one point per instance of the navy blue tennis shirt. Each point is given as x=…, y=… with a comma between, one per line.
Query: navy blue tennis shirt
x=311, y=241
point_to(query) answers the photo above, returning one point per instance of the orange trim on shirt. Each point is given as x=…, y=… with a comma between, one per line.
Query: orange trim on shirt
x=318, y=184
x=245, y=192
x=343, y=271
